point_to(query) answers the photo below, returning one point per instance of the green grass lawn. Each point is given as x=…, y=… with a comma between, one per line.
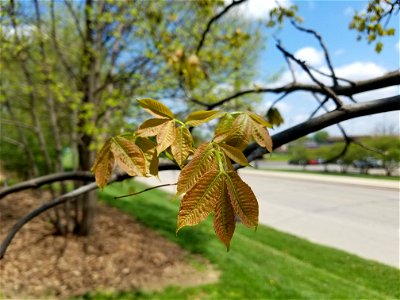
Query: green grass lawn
x=266, y=264
x=335, y=174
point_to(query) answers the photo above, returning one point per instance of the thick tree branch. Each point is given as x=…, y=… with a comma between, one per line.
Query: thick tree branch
x=76, y=175
x=347, y=112
x=214, y=19
x=387, y=80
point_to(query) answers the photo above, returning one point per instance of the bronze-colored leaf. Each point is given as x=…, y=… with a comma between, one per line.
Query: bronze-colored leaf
x=224, y=125
x=241, y=132
x=151, y=127
x=242, y=198
x=224, y=218
x=202, y=116
x=129, y=156
x=103, y=165
x=197, y=204
x=181, y=148
x=166, y=136
x=235, y=154
x=156, y=108
x=148, y=148
x=262, y=137
x=203, y=160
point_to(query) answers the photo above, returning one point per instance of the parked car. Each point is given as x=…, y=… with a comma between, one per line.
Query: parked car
x=367, y=163
x=295, y=161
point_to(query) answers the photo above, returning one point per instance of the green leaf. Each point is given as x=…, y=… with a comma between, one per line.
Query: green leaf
x=274, y=116
x=156, y=108
x=202, y=116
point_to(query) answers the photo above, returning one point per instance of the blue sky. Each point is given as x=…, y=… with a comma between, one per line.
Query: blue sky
x=352, y=59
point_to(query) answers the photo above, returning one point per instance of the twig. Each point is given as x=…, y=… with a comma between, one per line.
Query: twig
x=145, y=190
x=214, y=19
x=324, y=48
x=328, y=91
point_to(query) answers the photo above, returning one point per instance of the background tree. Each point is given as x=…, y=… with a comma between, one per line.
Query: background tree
x=118, y=53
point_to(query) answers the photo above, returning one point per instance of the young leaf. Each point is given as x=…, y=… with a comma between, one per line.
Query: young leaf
x=258, y=119
x=274, y=117
x=148, y=148
x=156, y=108
x=129, y=156
x=202, y=116
x=225, y=124
x=181, y=148
x=240, y=132
x=103, y=165
x=151, y=127
x=262, y=137
x=203, y=160
x=235, y=154
x=224, y=218
x=197, y=204
x=166, y=136
x=242, y=198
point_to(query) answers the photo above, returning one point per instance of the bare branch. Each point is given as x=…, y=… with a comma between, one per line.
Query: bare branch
x=214, y=19
x=56, y=177
x=70, y=8
x=324, y=48
x=328, y=91
x=387, y=80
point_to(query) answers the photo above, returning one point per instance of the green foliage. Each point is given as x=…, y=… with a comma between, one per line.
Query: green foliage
x=266, y=264
x=372, y=23
x=321, y=137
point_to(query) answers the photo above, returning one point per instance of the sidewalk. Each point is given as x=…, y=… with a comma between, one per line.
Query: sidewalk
x=378, y=183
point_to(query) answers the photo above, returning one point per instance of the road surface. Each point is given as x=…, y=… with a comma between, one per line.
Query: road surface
x=361, y=217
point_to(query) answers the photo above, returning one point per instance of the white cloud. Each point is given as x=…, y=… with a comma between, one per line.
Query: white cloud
x=397, y=46
x=360, y=70
x=310, y=55
x=349, y=11
x=258, y=9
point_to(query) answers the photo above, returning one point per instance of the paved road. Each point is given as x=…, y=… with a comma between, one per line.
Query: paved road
x=361, y=219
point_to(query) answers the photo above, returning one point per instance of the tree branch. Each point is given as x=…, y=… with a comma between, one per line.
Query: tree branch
x=387, y=80
x=347, y=112
x=214, y=19
x=76, y=175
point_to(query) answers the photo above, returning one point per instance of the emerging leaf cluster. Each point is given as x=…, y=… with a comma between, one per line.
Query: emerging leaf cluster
x=208, y=182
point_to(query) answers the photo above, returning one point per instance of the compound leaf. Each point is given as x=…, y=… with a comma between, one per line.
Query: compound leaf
x=181, y=148
x=242, y=198
x=166, y=136
x=224, y=218
x=197, y=204
x=262, y=137
x=156, y=108
x=202, y=116
x=151, y=127
x=104, y=164
x=258, y=119
x=235, y=154
x=203, y=160
x=129, y=156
